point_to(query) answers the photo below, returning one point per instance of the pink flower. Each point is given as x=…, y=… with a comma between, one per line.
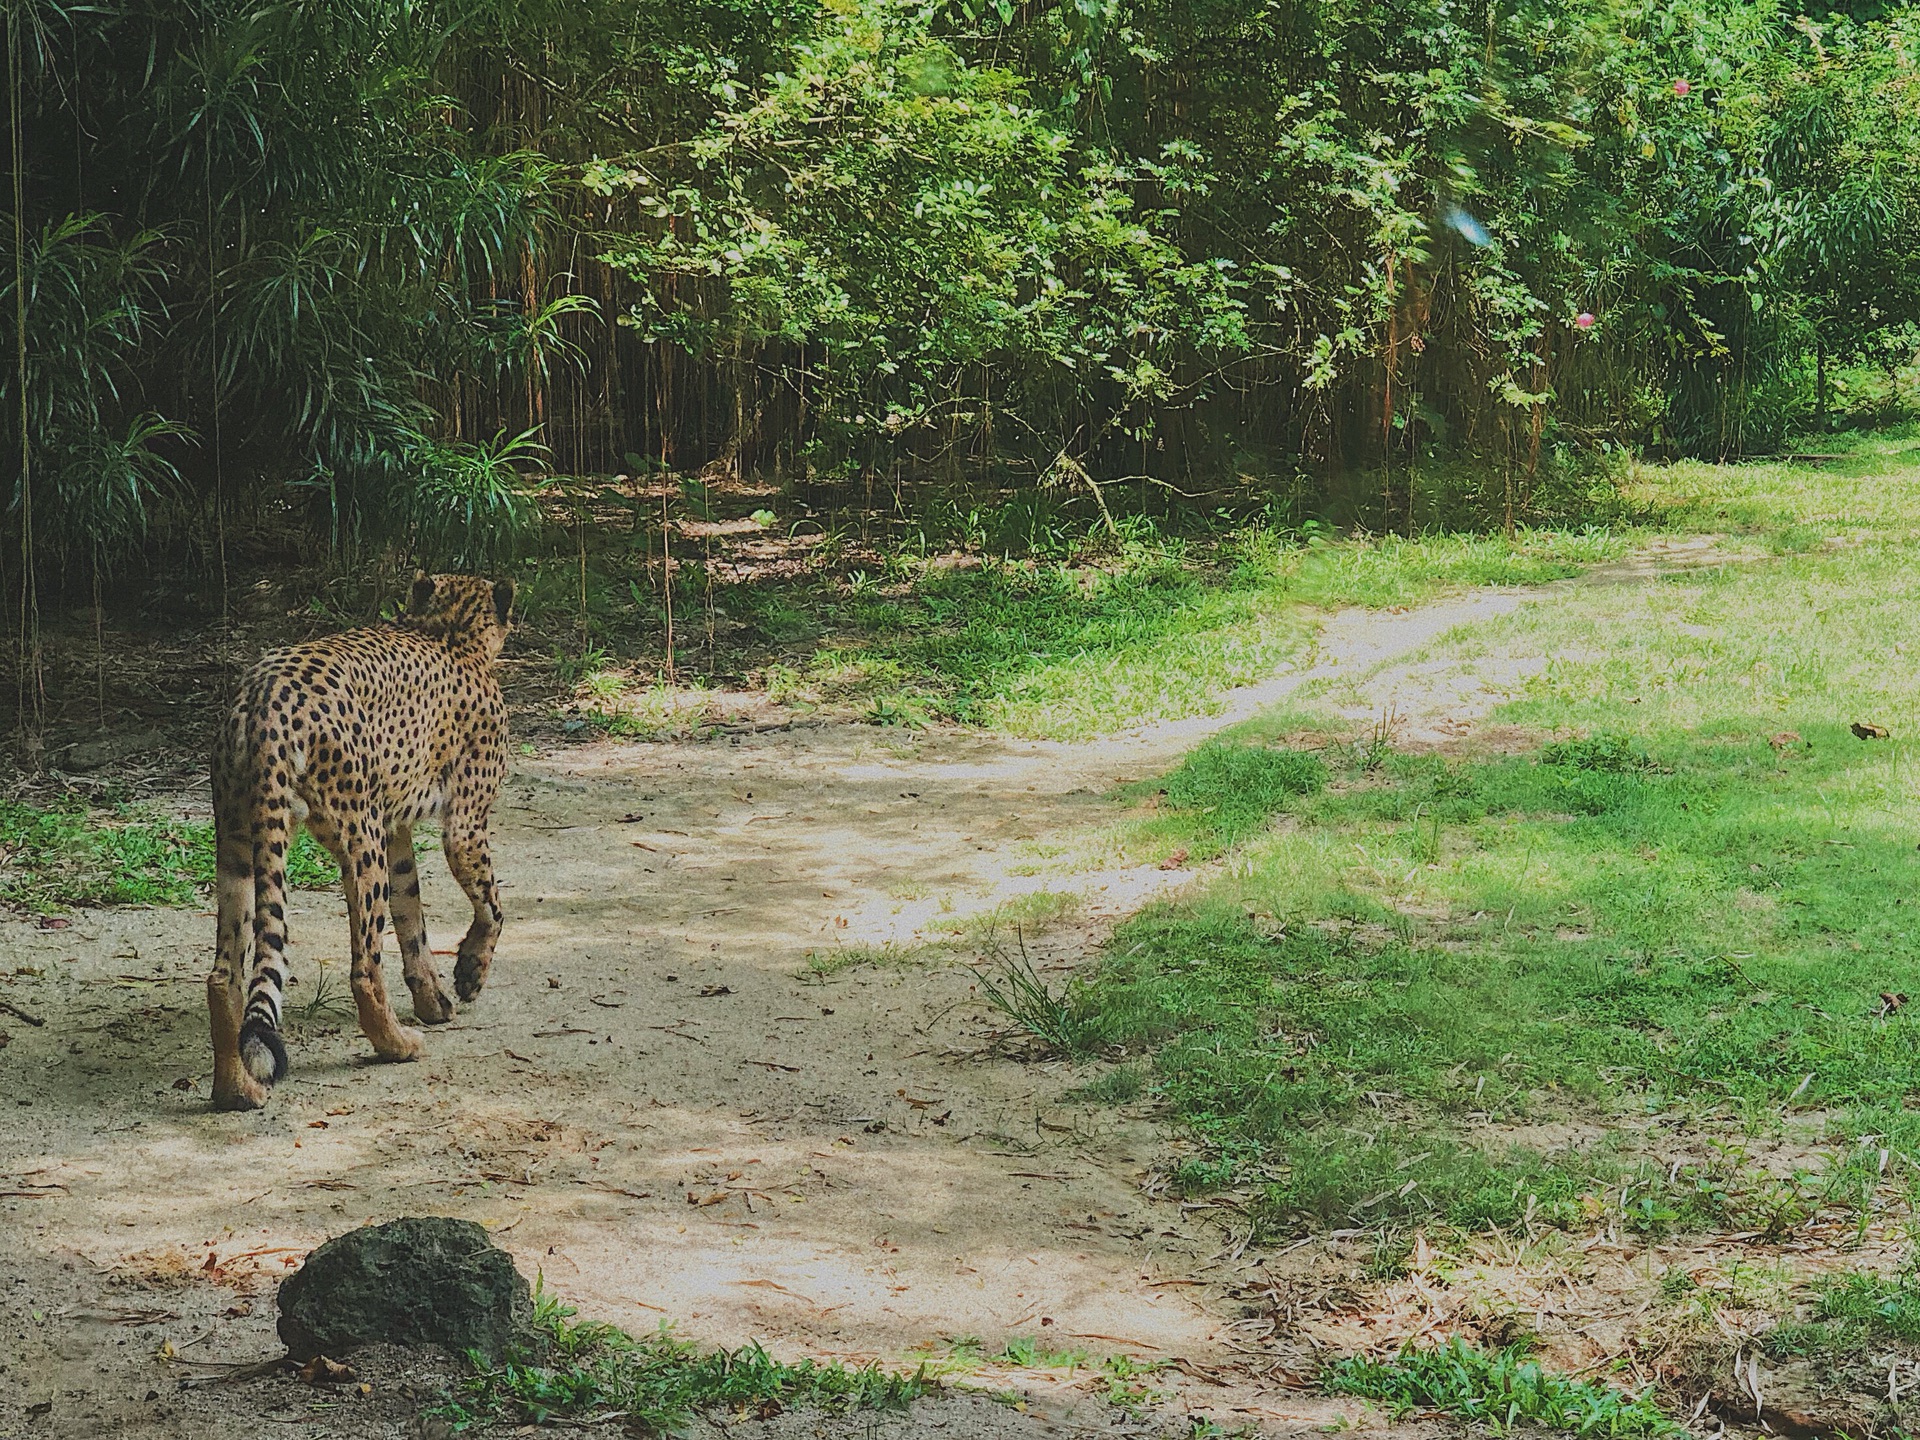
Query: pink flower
x=1681, y=87
x=1584, y=320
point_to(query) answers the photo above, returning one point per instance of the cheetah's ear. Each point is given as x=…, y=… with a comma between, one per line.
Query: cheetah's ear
x=423, y=587
x=502, y=599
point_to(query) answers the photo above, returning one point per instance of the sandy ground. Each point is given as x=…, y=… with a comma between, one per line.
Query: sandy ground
x=669, y=1102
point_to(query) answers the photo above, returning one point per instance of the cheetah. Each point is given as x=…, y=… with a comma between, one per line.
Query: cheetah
x=359, y=736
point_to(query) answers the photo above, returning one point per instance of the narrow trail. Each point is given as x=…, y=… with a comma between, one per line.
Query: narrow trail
x=660, y=1104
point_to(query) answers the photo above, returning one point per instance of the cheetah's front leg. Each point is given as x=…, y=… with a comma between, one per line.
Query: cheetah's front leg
x=432, y=1005
x=365, y=874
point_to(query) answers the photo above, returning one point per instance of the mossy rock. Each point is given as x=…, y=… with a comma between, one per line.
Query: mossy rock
x=427, y=1280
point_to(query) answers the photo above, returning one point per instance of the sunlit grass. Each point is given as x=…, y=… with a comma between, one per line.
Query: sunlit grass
x=1161, y=630
x=1693, y=896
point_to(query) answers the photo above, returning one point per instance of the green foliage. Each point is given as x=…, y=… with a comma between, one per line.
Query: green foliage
x=583, y=1371
x=1060, y=248
x=73, y=856
x=1886, y=1308
x=1498, y=1390
x=470, y=507
x=1856, y=1317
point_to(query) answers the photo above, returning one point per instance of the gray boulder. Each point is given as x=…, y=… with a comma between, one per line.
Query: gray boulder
x=419, y=1281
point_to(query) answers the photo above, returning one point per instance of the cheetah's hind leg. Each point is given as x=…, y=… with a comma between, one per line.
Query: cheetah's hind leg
x=432, y=1005
x=234, y=1086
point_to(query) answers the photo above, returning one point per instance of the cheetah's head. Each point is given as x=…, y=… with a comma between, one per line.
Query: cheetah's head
x=463, y=608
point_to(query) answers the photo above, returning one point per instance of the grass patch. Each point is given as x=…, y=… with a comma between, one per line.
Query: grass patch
x=1031, y=913
x=1121, y=1085
x=1161, y=628
x=1499, y=1390
x=1854, y=1315
x=586, y=1372
x=824, y=964
x=1126, y=1380
x=1227, y=791
x=59, y=857
x=1691, y=901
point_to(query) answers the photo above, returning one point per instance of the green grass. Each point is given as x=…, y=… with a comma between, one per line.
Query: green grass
x=1226, y=791
x=1654, y=913
x=1499, y=1390
x=1160, y=629
x=582, y=1372
x=1853, y=1316
x=74, y=856
x=1127, y=1381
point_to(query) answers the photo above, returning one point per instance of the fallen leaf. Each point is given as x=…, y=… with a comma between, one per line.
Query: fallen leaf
x=322, y=1371
x=1784, y=739
x=1867, y=730
x=1175, y=860
x=707, y=992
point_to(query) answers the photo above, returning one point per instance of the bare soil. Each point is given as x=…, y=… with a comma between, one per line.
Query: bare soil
x=675, y=1102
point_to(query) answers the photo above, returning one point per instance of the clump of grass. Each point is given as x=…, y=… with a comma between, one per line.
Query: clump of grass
x=1889, y=1309
x=1233, y=790
x=1121, y=1085
x=821, y=964
x=1608, y=754
x=329, y=1003
x=1027, y=914
x=1498, y=1390
x=585, y=1372
x=1126, y=1379
x=70, y=855
x=1855, y=1314
x=1056, y=1020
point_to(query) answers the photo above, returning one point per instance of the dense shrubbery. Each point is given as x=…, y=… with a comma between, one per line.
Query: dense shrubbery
x=353, y=248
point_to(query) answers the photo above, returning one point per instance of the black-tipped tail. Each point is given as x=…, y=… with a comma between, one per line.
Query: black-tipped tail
x=263, y=1052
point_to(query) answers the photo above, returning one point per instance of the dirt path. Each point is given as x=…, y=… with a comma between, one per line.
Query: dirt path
x=670, y=1101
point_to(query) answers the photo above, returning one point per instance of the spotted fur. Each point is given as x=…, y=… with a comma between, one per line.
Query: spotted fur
x=360, y=737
